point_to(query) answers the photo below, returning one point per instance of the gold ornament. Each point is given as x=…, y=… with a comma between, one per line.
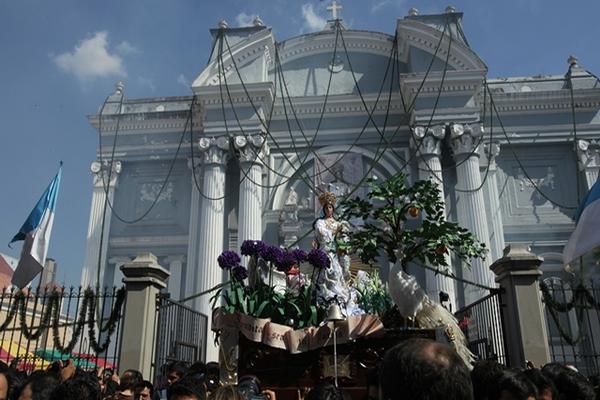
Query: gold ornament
x=327, y=198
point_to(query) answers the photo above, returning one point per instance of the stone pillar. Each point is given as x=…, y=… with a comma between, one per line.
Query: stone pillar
x=525, y=330
x=176, y=271
x=215, y=154
x=497, y=233
x=429, y=143
x=191, y=272
x=102, y=186
x=588, y=154
x=144, y=279
x=252, y=150
x=471, y=204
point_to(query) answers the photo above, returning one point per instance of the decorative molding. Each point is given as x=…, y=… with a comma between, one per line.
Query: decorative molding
x=251, y=149
x=465, y=139
x=145, y=242
x=588, y=154
x=101, y=171
x=428, y=140
x=214, y=150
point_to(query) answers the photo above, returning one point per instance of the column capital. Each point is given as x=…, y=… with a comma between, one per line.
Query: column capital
x=102, y=170
x=251, y=148
x=465, y=138
x=428, y=141
x=492, y=150
x=214, y=150
x=588, y=154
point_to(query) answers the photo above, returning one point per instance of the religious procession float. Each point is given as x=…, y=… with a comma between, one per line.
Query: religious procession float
x=294, y=316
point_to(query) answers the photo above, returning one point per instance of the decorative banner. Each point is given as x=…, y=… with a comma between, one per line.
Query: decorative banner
x=262, y=330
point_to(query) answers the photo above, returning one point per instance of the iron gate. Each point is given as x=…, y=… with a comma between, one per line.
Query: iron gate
x=181, y=335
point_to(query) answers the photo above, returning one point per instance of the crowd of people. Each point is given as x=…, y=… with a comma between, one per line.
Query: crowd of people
x=413, y=369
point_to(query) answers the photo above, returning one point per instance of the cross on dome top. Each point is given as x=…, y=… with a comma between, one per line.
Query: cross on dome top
x=334, y=8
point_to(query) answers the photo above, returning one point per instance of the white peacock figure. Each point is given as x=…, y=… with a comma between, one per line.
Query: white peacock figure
x=407, y=224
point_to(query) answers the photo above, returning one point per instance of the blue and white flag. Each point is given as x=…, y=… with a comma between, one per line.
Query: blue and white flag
x=36, y=234
x=587, y=231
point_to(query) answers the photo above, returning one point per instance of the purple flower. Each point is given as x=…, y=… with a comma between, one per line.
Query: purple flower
x=228, y=259
x=318, y=259
x=239, y=272
x=300, y=255
x=252, y=247
x=272, y=254
x=287, y=261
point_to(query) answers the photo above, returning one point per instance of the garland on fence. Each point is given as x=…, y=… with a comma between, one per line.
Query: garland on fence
x=582, y=300
x=50, y=319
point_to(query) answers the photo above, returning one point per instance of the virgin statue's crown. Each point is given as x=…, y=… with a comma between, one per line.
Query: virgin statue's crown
x=327, y=198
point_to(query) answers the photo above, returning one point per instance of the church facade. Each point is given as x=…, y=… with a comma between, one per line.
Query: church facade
x=270, y=124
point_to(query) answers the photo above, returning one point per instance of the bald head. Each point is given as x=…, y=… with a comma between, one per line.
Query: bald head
x=421, y=368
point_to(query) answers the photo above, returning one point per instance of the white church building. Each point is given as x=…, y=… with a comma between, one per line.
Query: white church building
x=272, y=121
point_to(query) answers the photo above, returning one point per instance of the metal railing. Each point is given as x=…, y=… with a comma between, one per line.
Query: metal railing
x=181, y=335
x=573, y=322
x=482, y=324
x=41, y=326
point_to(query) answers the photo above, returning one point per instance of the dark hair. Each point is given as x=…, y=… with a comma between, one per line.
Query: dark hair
x=145, y=384
x=541, y=381
x=80, y=387
x=484, y=377
x=42, y=385
x=424, y=369
x=130, y=379
x=569, y=384
x=515, y=383
x=187, y=386
x=325, y=391
x=178, y=367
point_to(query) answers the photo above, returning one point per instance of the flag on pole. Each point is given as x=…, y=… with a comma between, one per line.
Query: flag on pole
x=35, y=233
x=587, y=230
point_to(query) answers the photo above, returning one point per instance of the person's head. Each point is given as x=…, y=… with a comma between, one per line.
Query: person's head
x=130, y=379
x=424, y=369
x=484, y=376
x=144, y=391
x=80, y=387
x=175, y=371
x=39, y=386
x=325, y=391
x=227, y=392
x=545, y=387
x=213, y=380
x=514, y=385
x=5, y=381
x=249, y=386
x=187, y=388
x=569, y=384
x=328, y=210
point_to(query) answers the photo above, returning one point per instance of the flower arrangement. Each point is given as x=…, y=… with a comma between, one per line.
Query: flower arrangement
x=295, y=307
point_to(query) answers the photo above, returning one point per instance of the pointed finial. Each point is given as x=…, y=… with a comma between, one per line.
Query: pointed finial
x=223, y=24
x=413, y=12
x=450, y=10
x=572, y=60
x=257, y=21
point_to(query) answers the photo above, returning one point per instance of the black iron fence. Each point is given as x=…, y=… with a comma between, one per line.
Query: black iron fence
x=573, y=318
x=49, y=324
x=482, y=324
x=181, y=336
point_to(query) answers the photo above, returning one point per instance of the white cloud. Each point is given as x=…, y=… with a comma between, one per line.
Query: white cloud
x=125, y=48
x=312, y=21
x=243, y=19
x=91, y=59
x=380, y=4
x=183, y=81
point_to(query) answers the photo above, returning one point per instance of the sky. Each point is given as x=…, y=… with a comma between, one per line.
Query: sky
x=59, y=59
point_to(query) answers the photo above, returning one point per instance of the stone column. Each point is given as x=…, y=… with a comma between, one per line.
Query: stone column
x=497, y=233
x=471, y=204
x=143, y=280
x=215, y=154
x=176, y=271
x=191, y=272
x=588, y=154
x=524, y=320
x=252, y=150
x=102, y=186
x=429, y=143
